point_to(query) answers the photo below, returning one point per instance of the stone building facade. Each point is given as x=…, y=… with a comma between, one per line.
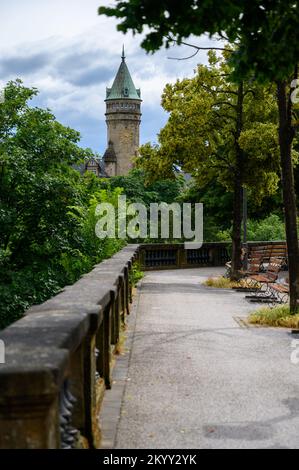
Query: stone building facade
x=123, y=117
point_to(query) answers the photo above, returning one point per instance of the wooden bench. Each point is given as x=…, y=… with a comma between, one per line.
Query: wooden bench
x=280, y=291
x=258, y=281
x=278, y=251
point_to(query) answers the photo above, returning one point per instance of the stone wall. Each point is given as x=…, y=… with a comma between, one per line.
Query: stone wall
x=58, y=360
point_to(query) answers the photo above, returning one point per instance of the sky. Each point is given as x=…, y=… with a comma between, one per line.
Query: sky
x=70, y=54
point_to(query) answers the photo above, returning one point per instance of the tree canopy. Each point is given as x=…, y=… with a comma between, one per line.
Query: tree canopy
x=266, y=31
x=220, y=131
x=201, y=136
x=47, y=218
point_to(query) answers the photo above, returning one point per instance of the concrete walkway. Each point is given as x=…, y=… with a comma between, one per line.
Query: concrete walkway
x=194, y=377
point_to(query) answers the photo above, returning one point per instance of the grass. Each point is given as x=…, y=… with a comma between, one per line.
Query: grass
x=136, y=274
x=278, y=316
x=222, y=283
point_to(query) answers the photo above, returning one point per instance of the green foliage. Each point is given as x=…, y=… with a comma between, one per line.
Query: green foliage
x=47, y=221
x=25, y=287
x=217, y=211
x=264, y=47
x=269, y=229
x=163, y=20
x=266, y=33
x=136, y=274
x=202, y=136
x=138, y=189
x=91, y=249
x=216, y=203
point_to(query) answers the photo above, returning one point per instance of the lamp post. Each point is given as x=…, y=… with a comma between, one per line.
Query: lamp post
x=245, y=245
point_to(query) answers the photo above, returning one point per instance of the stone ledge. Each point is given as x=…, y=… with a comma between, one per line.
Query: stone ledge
x=48, y=329
x=30, y=372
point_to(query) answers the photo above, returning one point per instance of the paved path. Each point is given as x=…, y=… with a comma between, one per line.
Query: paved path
x=195, y=378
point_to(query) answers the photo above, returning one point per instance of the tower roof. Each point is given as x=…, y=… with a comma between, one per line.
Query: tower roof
x=109, y=155
x=123, y=86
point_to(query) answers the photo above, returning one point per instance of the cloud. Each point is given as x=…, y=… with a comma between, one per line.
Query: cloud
x=71, y=54
x=92, y=76
x=15, y=65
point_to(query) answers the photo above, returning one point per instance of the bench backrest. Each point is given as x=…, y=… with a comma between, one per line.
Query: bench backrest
x=279, y=251
x=255, y=263
x=275, y=265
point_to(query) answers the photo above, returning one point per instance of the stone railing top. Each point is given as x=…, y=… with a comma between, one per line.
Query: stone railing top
x=31, y=372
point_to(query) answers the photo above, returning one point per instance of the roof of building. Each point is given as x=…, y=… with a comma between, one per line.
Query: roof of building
x=123, y=86
x=83, y=167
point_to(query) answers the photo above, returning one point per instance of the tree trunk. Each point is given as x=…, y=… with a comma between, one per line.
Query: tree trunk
x=238, y=191
x=286, y=135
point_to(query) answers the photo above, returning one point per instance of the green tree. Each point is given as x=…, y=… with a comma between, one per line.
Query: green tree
x=42, y=247
x=36, y=179
x=220, y=131
x=138, y=189
x=267, y=32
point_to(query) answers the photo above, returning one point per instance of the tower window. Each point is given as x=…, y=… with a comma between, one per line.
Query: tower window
x=126, y=92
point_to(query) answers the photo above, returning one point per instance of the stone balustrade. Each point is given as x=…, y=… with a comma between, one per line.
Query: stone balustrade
x=58, y=360
x=174, y=256
x=58, y=356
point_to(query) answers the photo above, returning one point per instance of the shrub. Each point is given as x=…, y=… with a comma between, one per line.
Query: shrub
x=136, y=274
x=278, y=316
x=269, y=229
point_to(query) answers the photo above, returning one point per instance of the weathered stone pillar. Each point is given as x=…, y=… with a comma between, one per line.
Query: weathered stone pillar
x=30, y=384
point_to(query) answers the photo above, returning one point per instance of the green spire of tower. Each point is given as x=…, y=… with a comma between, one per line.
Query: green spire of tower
x=123, y=86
